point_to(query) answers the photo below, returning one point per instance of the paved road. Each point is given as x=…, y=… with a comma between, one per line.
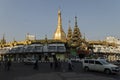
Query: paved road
x=20, y=71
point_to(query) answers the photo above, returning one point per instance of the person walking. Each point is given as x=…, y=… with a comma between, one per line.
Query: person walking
x=5, y=64
x=36, y=65
x=51, y=63
x=70, y=65
x=0, y=65
x=8, y=65
x=59, y=64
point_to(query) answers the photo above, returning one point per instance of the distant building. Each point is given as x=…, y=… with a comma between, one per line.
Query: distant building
x=109, y=48
x=30, y=37
x=111, y=39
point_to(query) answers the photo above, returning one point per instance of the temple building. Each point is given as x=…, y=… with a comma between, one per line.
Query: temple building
x=59, y=33
x=60, y=45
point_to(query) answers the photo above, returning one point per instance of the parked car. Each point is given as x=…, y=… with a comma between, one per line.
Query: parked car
x=117, y=62
x=75, y=59
x=102, y=58
x=99, y=65
x=29, y=61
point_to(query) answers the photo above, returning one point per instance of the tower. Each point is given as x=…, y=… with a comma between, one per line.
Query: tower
x=3, y=41
x=59, y=33
x=69, y=35
x=76, y=37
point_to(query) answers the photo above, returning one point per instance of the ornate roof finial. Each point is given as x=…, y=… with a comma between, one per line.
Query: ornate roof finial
x=3, y=41
x=14, y=39
x=75, y=21
x=69, y=22
x=84, y=37
x=45, y=36
x=27, y=36
x=46, y=40
x=59, y=12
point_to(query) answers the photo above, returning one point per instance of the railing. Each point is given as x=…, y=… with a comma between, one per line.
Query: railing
x=34, y=48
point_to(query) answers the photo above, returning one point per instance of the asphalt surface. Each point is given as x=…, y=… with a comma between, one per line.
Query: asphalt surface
x=19, y=71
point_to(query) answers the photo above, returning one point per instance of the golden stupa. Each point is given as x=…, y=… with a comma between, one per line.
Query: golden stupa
x=59, y=33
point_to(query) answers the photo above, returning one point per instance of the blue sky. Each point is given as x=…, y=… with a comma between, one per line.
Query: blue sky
x=96, y=18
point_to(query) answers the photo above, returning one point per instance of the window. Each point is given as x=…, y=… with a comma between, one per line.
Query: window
x=52, y=47
x=91, y=61
x=86, y=61
x=60, y=47
x=38, y=47
x=97, y=62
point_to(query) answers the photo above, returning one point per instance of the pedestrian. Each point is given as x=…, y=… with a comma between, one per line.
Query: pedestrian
x=0, y=65
x=70, y=66
x=0, y=62
x=5, y=64
x=59, y=64
x=8, y=65
x=36, y=65
x=51, y=63
x=56, y=64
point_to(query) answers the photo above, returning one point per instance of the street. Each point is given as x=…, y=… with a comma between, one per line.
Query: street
x=20, y=71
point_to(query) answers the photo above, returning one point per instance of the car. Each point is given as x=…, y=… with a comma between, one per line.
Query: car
x=117, y=62
x=75, y=59
x=102, y=58
x=29, y=61
x=99, y=65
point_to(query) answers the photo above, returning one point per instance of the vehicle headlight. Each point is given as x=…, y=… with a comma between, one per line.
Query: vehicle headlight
x=113, y=68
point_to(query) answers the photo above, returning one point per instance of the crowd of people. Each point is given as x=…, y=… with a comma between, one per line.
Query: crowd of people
x=5, y=65
x=55, y=64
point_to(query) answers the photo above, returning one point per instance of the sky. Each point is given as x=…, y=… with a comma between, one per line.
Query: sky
x=97, y=19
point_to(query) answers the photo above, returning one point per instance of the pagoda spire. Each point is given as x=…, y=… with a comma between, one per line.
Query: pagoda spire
x=3, y=41
x=46, y=40
x=75, y=21
x=59, y=33
x=76, y=37
x=69, y=24
x=69, y=35
x=59, y=20
x=14, y=39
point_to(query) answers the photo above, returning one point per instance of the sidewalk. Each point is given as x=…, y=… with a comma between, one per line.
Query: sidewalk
x=64, y=76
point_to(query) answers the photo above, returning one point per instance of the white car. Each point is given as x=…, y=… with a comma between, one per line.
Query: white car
x=29, y=61
x=75, y=59
x=102, y=58
x=99, y=65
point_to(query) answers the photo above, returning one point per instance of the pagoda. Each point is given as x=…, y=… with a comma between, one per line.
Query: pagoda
x=59, y=33
x=76, y=37
x=69, y=35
